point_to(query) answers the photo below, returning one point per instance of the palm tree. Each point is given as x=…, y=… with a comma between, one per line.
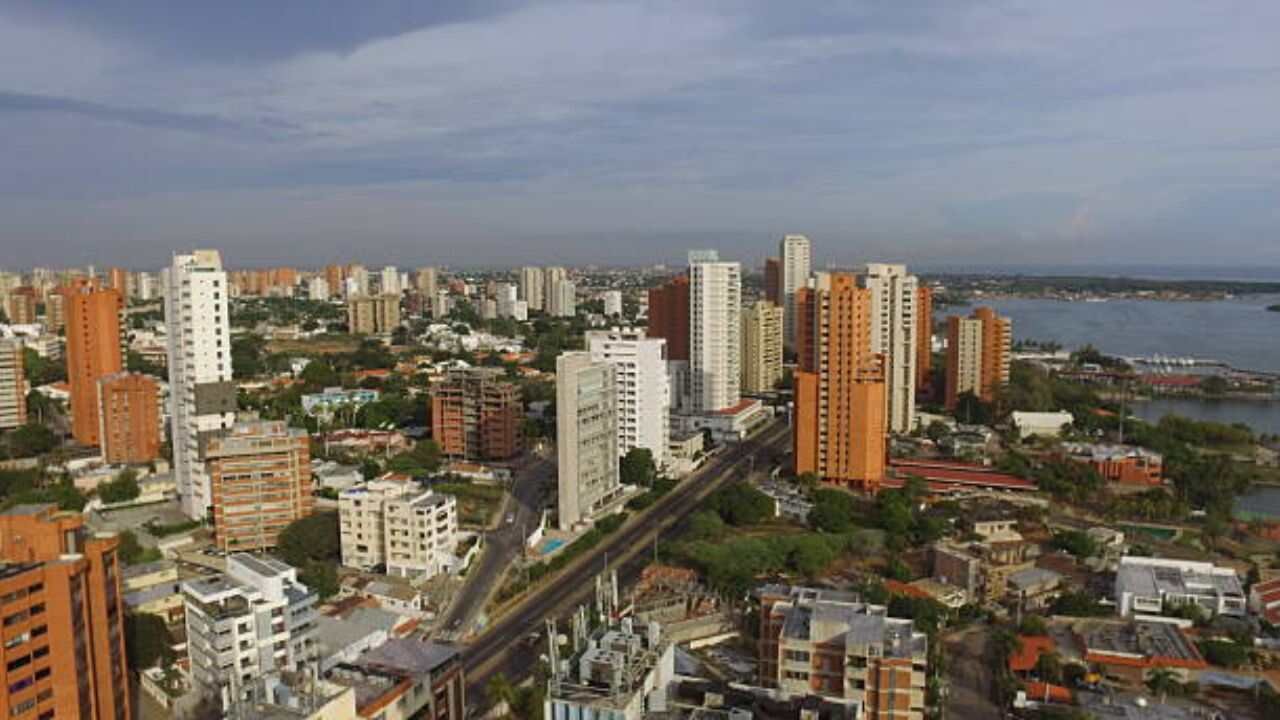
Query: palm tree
x=499, y=690
x=1161, y=681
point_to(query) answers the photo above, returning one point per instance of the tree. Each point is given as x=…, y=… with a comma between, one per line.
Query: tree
x=312, y=538
x=30, y=440
x=147, y=641
x=705, y=525
x=321, y=576
x=742, y=504
x=1077, y=543
x=123, y=488
x=1162, y=681
x=42, y=371
x=247, y=356
x=637, y=467
x=318, y=375
x=832, y=511
x=1049, y=667
x=1214, y=385
x=129, y=549
x=937, y=430
x=424, y=459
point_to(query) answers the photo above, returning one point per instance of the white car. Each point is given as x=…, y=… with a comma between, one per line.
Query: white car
x=511, y=517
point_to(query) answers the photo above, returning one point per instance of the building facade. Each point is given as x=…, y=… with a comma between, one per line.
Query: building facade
x=924, y=338
x=93, y=351
x=20, y=305
x=476, y=415
x=396, y=524
x=586, y=437
x=13, y=384
x=839, y=427
x=979, y=349
x=373, y=315
x=260, y=478
x=255, y=621
x=894, y=335
x=643, y=389
x=531, y=287
x=669, y=316
x=64, y=648
x=562, y=297
x=796, y=256
x=773, y=280
x=761, y=347
x=202, y=396
x=130, y=418
x=715, y=323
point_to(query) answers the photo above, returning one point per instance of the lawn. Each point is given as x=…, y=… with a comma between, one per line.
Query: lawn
x=476, y=503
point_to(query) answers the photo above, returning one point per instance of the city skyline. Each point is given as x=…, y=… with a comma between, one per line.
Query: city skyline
x=567, y=133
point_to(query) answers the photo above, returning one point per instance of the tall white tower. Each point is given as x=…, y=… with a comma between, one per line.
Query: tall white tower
x=797, y=265
x=202, y=396
x=715, y=327
x=644, y=388
x=893, y=334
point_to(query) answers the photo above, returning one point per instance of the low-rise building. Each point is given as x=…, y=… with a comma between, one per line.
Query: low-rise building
x=1264, y=600
x=393, y=523
x=982, y=569
x=1033, y=588
x=621, y=672
x=727, y=425
x=830, y=644
x=1147, y=585
x=1124, y=464
x=1042, y=424
x=1132, y=650
x=404, y=678
x=335, y=399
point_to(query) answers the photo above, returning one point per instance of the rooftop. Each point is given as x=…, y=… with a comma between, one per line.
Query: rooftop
x=1139, y=643
x=1157, y=577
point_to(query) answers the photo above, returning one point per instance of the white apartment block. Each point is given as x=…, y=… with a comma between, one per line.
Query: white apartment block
x=532, y=287
x=643, y=388
x=357, y=280
x=797, y=263
x=202, y=396
x=394, y=523
x=13, y=385
x=562, y=298
x=893, y=334
x=389, y=282
x=715, y=326
x=255, y=621
x=586, y=437
x=612, y=302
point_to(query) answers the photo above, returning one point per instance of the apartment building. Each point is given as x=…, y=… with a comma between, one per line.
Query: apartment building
x=796, y=257
x=202, y=395
x=586, y=437
x=669, y=316
x=251, y=622
x=979, y=349
x=476, y=415
x=13, y=384
x=64, y=647
x=373, y=315
x=761, y=347
x=532, y=287
x=643, y=388
x=562, y=298
x=715, y=324
x=426, y=280
x=623, y=671
x=407, y=678
x=93, y=351
x=924, y=337
x=1146, y=586
x=894, y=324
x=611, y=301
x=260, y=481
x=20, y=305
x=129, y=418
x=773, y=280
x=394, y=523
x=830, y=644
x=839, y=428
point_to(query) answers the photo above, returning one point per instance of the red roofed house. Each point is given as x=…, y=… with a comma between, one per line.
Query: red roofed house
x=1031, y=647
x=1264, y=600
x=1044, y=692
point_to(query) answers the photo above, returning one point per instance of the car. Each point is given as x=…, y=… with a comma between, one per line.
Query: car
x=511, y=517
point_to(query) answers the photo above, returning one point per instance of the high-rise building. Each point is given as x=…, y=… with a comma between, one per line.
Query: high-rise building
x=761, y=347
x=255, y=621
x=375, y=315
x=426, y=280
x=562, y=297
x=796, y=258
x=13, y=384
x=715, y=322
x=336, y=277
x=476, y=415
x=148, y=287
x=643, y=389
x=357, y=280
x=506, y=295
x=532, y=287
x=260, y=481
x=924, y=338
x=586, y=437
x=830, y=644
x=318, y=288
x=773, y=280
x=129, y=406
x=893, y=335
x=839, y=427
x=64, y=618
x=93, y=350
x=669, y=316
x=394, y=523
x=612, y=301
x=979, y=348
x=118, y=280
x=20, y=306
x=202, y=396
x=55, y=312
x=389, y=281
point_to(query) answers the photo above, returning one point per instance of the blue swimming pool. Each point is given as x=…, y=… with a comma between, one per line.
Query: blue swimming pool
x=550, y=545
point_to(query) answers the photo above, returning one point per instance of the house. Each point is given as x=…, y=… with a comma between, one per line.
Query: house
x=1123, y=464
x=1130, y=650
x=1144, y=586
x=1264, y=600
x=1043, y=424
x=1034, y=588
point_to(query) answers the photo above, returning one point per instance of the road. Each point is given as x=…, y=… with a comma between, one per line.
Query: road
x=502, y=545
x=504, y=648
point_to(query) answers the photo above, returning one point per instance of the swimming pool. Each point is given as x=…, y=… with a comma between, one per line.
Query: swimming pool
x=550, y=545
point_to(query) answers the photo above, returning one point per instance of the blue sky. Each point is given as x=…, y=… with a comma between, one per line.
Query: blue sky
x=494, y=131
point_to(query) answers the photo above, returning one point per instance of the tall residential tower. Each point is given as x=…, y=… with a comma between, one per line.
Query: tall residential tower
x=797, y=263
x=715, y=323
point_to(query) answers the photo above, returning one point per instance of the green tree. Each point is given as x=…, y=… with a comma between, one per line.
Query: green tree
x=247, y=356
x=321, y=576
x=318, y=375
x=423, y=459
x=312, y=538
x=637, y=467
x=832, y=511
x=1077, y=543
x=742, y=504
x=42, y=371
x=123, y=488
x=937, y=430
x=30, y=440
x=1214, y=385
x=1049, y=667
x=1162, y=681
x=147, y=641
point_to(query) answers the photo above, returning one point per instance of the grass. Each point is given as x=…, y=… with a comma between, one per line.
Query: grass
x=476, y=503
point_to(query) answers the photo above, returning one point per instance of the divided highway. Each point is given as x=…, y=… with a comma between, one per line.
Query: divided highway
x=503, y=647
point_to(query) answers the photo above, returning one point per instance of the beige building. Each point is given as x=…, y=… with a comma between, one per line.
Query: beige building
x=979, y=350
x=830, y=644
x=13, y=385
x=894, y=328
x=587, y=437
x=373, y=315
x=392, y=522
x=260, y=478
x=761, y=347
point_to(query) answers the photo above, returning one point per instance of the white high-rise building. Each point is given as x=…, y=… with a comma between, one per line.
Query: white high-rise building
x=586, y=437
x=563, y=298
x=425, y=280
x=797, y=265
x=612, y=302
x=202, y=396
x=715, y=327
x=893, y=334
x=389, y=282
x=318, y=288
x=506, y=295
x=357, y=281
x=643, y=388
x=532, y=287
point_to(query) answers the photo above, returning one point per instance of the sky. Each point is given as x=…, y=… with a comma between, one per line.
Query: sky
x=499, y=132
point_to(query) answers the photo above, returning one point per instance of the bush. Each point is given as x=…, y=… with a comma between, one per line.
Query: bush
x=742, y=504
x=121, y=489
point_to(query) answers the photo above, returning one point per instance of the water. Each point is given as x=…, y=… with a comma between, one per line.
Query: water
x=1263, y=500
x=1261, y=415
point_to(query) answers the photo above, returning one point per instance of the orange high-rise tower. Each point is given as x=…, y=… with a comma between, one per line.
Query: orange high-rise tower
x=93, y=350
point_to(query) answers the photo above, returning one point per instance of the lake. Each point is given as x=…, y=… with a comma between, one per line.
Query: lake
x=1261, y=415
x=1262, y=500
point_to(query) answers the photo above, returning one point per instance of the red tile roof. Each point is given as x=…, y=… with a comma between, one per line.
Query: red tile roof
x=1033, y=646
x=1038, y=691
